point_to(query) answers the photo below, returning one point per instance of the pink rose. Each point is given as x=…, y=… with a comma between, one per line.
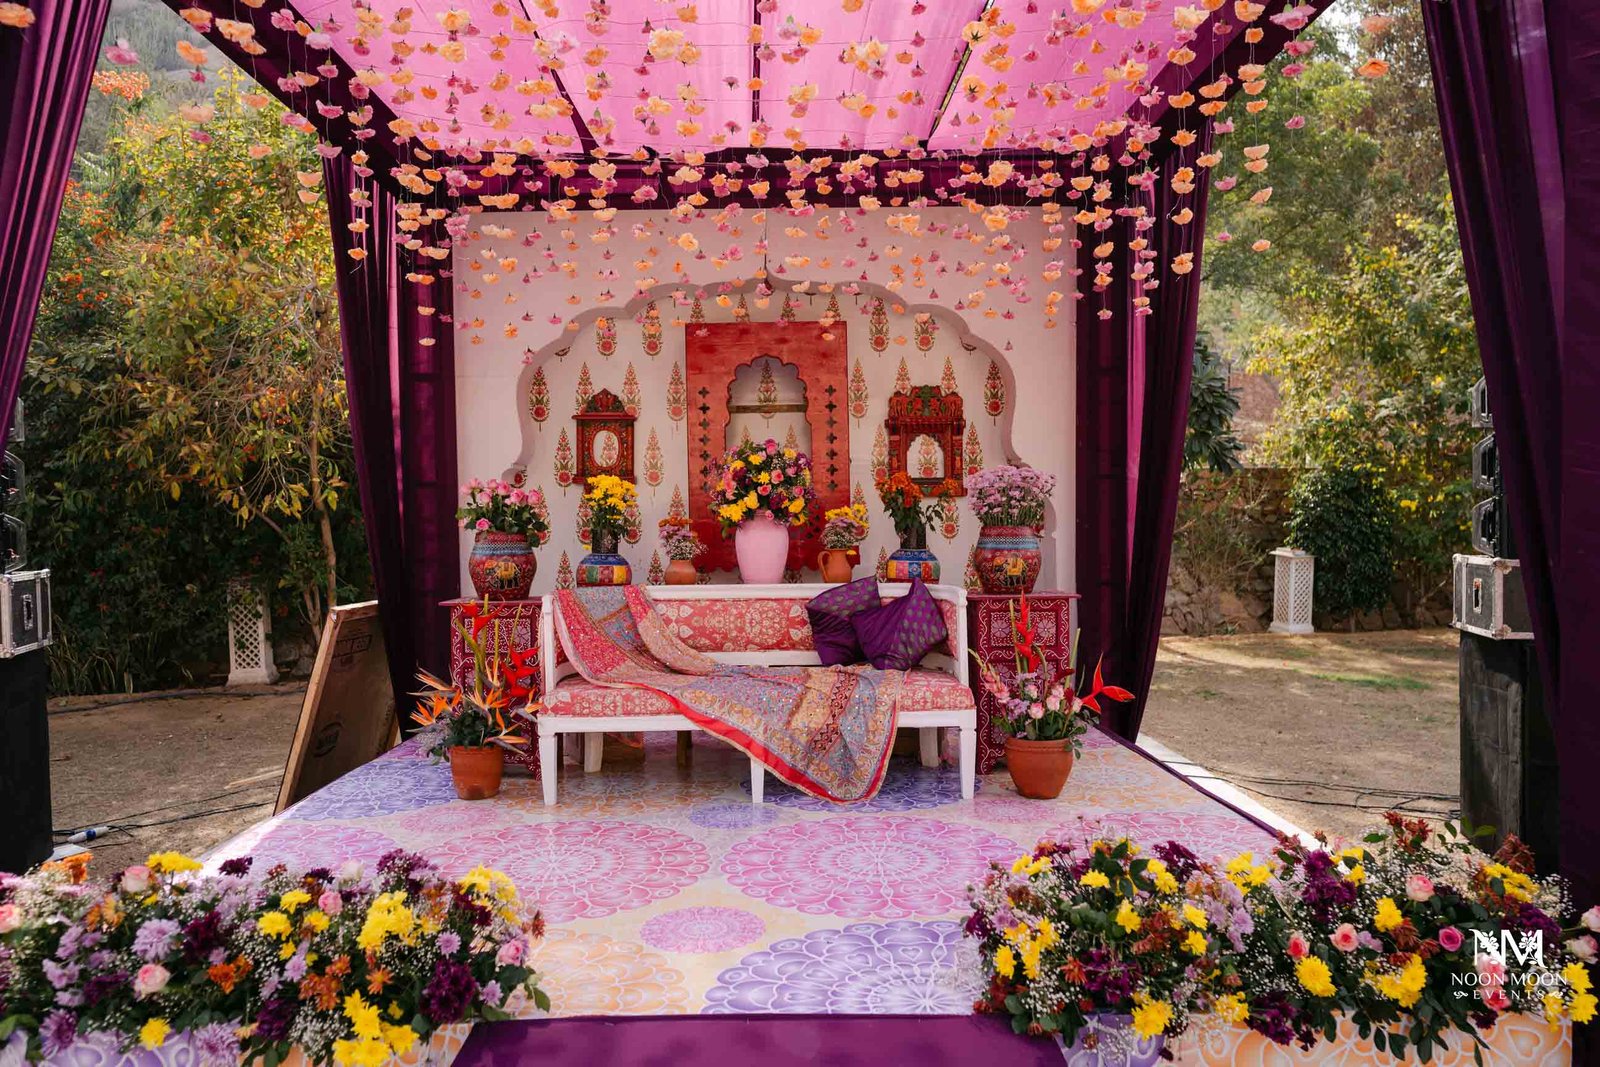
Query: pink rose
x=1450, y=939
x=10, y=918
x=152, y=978
x=330, y=902
x=1344, y=938
x=536, y=497
x=1490, y=971
x=481, y=524
x=136, y=879
x=1591, y=919
x=1583, y=948
x=1419, y=887
x=1494, y=998
x=510, y=953
x=1298, y=949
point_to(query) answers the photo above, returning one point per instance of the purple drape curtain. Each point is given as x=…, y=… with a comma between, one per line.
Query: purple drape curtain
x=400, y=376
x=44, y=85
x=1133, y=408
x=1519, y=108
x=366, y=308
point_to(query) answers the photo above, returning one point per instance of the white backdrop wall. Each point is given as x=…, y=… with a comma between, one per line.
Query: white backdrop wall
x=515, y=273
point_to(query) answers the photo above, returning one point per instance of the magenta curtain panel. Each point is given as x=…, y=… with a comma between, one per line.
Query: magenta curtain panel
x=44, y=85
x=400, y=376
x=1519, y=107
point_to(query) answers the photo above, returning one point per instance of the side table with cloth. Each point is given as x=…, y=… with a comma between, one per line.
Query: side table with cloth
x=512, y=627
x=989, y=635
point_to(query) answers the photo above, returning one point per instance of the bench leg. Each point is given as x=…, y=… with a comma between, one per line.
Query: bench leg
x=928, y=745
x=758, y=781
x=685, y=747
x=594, y=746
x=572, y=745
x=549, y=762
x=969, y=761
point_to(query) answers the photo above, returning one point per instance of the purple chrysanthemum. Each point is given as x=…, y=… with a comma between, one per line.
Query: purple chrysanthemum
x=275, y=1018
x=155, y=939
x=237, y=866
x=450, y=992
x=216, y=1045
x=57, y=1032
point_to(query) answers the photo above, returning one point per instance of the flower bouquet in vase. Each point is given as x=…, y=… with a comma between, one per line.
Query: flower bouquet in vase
x=764, y=493
x=1045, y=713
x=1010, y=503
x=843, y=530
x=610, y=500
x=681, y=545
x=472, y=725
x=911, y=509
x=1100, y=944
x=508, y=524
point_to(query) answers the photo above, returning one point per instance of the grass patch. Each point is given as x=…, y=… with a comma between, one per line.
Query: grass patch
x=1207, y=694
x=1385, y=683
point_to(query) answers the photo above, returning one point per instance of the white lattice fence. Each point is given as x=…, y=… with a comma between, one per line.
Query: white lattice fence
x=249, y=636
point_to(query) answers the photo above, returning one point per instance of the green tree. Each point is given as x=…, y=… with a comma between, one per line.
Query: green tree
x=1209, y=440
x=189, y=346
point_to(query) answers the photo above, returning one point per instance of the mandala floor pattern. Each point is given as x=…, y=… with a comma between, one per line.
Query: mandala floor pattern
x=667, y=892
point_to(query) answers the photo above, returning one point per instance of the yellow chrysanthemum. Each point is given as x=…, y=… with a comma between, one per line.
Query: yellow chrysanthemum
x=1095, y=880
x=1314, y=976
x=171, y=863
x=1388, y=915
x=1005, y=961
x=1128, y=918
x=364, y=1017
x=292, y=900
x=153, y=1034
x=274, y=924
x=1194, y=916
x=1150, y=1017
x=1195, y=942
x=1233, y=1008
x=1582, y=1007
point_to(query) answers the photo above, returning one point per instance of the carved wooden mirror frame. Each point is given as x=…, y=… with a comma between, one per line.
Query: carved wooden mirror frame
x=604, y=411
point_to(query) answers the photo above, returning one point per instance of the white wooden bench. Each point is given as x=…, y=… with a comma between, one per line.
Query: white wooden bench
x=935, y=696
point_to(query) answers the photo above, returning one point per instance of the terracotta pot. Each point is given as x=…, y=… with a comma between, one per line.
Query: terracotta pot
x=1007, y=558
x=475, y=772
x=1039, y=768
x=681, y=572
x=501, y=565
x=762, y=547
x=834, y=563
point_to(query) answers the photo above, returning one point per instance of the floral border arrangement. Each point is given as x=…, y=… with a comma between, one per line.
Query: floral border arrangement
x=1415, y=936
x=339, y=967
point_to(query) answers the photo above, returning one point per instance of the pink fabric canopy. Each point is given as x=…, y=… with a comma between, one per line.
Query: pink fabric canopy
x=912, y=80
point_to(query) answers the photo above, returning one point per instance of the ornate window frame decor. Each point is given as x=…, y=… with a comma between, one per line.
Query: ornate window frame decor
x=927, y=410
x=605, y=411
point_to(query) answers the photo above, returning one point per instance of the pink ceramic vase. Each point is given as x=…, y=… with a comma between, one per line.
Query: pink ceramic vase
x=762, y=546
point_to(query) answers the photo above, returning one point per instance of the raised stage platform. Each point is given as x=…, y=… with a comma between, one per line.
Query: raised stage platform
x=667, y=893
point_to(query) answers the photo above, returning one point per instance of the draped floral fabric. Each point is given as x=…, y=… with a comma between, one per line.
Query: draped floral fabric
x=824, y=730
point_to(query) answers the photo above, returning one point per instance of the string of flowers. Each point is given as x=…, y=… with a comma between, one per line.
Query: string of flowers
x=347, y=969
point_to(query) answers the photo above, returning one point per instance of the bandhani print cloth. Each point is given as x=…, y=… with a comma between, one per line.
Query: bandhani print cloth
x=825, y=730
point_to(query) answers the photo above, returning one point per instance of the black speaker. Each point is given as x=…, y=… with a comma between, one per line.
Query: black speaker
x=1508, y=752
x=24, y=762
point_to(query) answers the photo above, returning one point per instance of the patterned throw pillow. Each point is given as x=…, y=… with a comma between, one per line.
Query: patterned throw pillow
x=897, y=635
x=831, y=633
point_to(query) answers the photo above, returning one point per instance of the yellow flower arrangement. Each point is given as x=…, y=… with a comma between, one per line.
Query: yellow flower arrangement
x=762, y=478
x=609, y=500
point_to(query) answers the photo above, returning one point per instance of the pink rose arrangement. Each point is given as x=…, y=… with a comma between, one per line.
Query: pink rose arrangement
x=505, y=508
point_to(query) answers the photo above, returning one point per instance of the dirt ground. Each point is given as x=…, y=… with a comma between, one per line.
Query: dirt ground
x=1329, y=730
x=183, y=771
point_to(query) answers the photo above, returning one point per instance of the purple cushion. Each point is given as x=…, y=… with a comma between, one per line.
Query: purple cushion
x=897, y=635
x=831, y=633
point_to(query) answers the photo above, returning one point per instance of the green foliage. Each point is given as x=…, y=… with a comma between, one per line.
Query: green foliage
x=186, y=397
x=1209, y=440
x=1345, y=518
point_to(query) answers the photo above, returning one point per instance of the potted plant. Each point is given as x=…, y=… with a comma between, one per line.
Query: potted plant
x=508, y=523
x=765, y=492
x=1100, y=944
x=609, y=500
x=682, y=545
x=472, y=724
x=1010, y=503
x=1044, y=713
x=911, y=509
x=843, y=530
